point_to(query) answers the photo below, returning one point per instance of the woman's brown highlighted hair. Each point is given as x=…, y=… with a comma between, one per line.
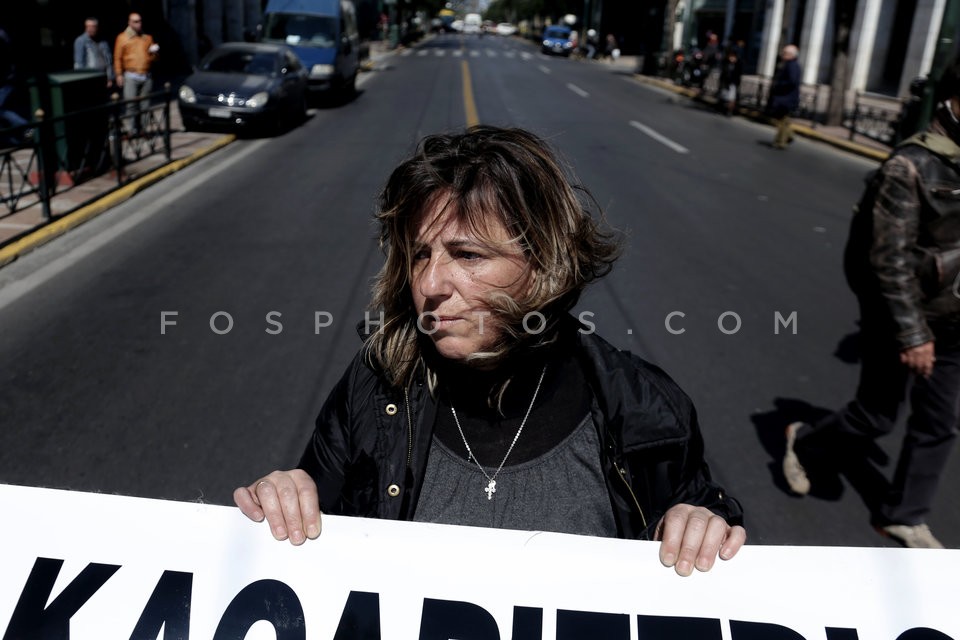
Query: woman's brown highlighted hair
x=486, y=171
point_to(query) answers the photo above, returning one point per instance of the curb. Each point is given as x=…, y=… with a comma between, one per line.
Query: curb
x=846, y=145
x=756, y=116
x=61, y=225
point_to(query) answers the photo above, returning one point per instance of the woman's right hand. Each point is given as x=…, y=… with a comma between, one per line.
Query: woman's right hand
x=289, y=502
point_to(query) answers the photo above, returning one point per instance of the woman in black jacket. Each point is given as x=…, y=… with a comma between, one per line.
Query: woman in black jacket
x=477, y=399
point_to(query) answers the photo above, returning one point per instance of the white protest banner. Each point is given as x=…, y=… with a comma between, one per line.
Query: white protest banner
x=101, y=567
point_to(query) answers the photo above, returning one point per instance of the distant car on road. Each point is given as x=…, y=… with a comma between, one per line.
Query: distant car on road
x=556, y=41
x=245, y=85
x=505, y=29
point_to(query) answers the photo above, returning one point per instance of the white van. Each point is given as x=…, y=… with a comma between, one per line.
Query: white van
x=472, y=23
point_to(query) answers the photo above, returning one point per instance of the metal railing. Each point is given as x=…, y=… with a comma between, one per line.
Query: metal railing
x=52, y=155
x=873, y=116
x=755, y=94
x=874, y=119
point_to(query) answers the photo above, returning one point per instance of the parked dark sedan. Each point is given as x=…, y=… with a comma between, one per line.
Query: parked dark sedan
x=245, y=84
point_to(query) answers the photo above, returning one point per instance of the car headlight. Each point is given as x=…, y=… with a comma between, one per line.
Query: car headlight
x=546, y=43
x=187, y=94
x=567, y=45
x=257, y=100
x=321, y=70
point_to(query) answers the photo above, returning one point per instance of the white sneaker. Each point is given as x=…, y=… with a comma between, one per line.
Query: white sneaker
x=916, y=536
x=793, y=471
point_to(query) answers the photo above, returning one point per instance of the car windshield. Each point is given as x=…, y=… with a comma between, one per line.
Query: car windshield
x=557, y=33
x=300, y=30
x=254, y=63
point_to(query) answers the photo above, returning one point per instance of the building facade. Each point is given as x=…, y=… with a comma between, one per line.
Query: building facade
x=892, y=42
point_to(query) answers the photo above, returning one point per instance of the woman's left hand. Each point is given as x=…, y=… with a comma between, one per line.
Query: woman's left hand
x=694, y=537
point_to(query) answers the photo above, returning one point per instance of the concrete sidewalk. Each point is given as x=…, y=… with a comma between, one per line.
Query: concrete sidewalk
x=835, y=136
x=25, y=230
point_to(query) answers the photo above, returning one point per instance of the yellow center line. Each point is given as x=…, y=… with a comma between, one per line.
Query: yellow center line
x=469, y=106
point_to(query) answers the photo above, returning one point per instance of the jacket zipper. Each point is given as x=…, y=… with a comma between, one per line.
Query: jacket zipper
x=623, y=476
x=406, y=399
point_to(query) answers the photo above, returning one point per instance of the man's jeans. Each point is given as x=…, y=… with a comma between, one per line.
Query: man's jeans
x=135, y=85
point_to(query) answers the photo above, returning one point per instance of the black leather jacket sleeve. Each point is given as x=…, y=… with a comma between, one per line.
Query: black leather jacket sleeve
x=893, y=258
x=325, y=456
x=678, y=474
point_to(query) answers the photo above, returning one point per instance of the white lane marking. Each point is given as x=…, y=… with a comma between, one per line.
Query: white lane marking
x=474, y=53
x=679, y=148
x=406, y=52
x=544, y=69
x=525, y=55
x=491, y=53
x=457, y=53
x=14, y=290
x=510, y=54
x=440, y=53
x=422, y=52
x=577, y=90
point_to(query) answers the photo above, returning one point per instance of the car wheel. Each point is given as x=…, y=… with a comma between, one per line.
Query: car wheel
x=350, y=87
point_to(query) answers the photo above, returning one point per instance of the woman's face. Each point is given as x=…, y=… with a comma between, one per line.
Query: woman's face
x=454, y=272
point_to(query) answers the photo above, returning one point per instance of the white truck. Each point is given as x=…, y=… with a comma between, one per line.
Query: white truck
x=472, y=23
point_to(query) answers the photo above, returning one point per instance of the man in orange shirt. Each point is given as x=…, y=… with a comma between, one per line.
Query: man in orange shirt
x=133, y=54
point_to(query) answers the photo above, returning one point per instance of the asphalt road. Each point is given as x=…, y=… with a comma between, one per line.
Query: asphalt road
x=94, y=396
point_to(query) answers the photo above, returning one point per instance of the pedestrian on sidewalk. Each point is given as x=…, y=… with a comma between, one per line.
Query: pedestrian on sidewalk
x=731, y=72
x=611, y=49
x=133, y=55
x=785, y=95
x=10, y=118
x=903, y=262
x=477, y=399
x=92, y=52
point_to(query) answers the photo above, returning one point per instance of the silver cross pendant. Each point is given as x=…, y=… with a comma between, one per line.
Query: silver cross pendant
x=491, y=489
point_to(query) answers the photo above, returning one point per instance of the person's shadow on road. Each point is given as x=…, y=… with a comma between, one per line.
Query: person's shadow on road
x=860, y=471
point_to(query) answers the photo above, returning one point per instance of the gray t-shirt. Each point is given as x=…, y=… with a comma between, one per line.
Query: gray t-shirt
x=562, y=490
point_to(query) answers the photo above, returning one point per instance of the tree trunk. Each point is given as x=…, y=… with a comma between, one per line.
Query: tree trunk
x=785, y=25
x=842, y=24
x=669, y=19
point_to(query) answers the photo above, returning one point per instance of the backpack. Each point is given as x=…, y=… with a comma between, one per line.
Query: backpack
x=935, y=268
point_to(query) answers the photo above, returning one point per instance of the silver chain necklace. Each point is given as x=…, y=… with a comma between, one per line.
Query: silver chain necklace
x=491, y=487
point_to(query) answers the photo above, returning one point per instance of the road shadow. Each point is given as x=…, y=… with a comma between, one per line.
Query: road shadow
x=700, y=105
x=254, y=132
x=858, y=467
x=848, y=349
x=769, y=145
x=335, y=99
